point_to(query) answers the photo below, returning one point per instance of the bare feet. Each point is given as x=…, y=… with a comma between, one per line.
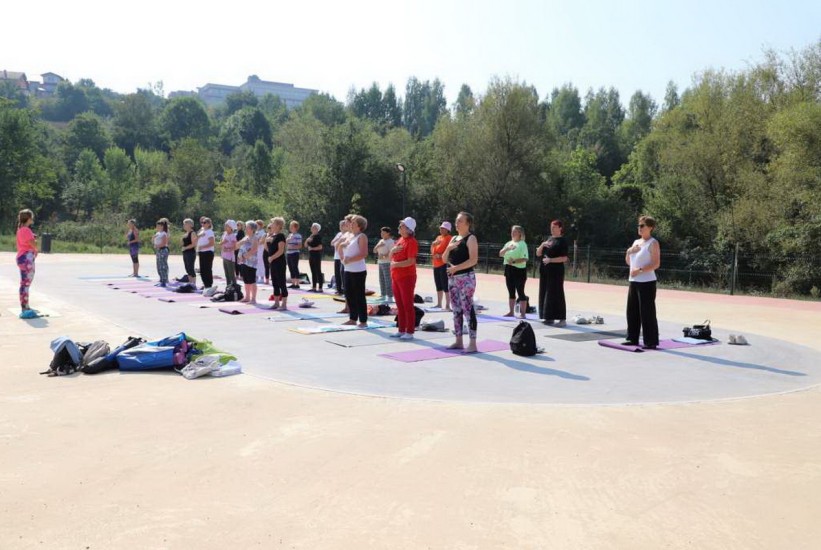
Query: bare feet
x=472, y=347
x=508, y=314
x=282, y=308
x=457, y=345
x=344, y=310
x=244, y=301
x=349, y=322
x=523, y=316
x=362, y=325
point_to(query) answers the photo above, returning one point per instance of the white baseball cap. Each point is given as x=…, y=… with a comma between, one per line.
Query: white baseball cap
x=410, y=223
x=447, y=226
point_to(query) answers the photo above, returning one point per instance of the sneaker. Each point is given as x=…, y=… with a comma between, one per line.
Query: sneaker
x=397, y=335
x=560, y=323
x=579, y=320
x=733, y=339
x=741, y=341
x=29, y=314
x=406, y=336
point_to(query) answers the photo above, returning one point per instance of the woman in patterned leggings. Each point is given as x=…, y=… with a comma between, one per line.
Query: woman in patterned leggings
x=461, y=255
x=26, y=253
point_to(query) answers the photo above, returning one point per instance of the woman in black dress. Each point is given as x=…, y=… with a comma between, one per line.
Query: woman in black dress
x=552, y=306
x=314, y=246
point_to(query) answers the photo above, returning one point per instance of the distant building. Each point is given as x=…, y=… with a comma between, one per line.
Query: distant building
x=214, y=94
x=50, y=82
x=181, y=93
x=17, y=78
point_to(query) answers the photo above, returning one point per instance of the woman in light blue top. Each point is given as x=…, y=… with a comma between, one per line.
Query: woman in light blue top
x=515, y=260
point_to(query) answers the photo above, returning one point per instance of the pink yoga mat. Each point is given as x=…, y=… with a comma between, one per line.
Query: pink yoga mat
x=663, y=345
x=429, y=354
x=178, y=297
x=245, y=309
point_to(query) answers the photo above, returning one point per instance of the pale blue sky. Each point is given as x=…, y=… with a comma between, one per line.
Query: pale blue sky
x=334, y=45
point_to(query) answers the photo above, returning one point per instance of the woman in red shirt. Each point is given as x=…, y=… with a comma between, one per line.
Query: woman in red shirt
x=403, y=278
x=26, y=253
x=440, y=268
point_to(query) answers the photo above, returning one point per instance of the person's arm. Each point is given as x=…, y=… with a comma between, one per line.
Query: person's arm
x=523, y=255
x=210, y=242
x=632, y=250
x=540, y=249
x=32, y=242
x=411, y=259
x=473, y=256
x=280, y=251
x=378, y=245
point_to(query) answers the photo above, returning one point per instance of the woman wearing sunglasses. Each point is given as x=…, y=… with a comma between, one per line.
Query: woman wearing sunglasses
x=644, y=258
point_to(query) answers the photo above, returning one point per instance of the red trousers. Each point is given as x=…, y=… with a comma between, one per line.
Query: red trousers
x=403, y=292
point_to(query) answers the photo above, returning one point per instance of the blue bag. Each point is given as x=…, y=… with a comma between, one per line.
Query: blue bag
x=146, y=356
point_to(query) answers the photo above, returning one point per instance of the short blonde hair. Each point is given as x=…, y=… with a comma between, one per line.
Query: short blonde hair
x=520, y=230
x=360, y=221
x=279, y=221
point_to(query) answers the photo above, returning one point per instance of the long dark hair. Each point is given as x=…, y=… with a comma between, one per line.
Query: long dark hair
x=164, y=224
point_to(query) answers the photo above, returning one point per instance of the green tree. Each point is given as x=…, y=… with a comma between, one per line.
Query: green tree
x=135, y=123
x=424, y=103
x=10, y=90
x=86, y=190
x=640, y=114
x=184, y=117
x=324, y=108
x=248, y=125
x=671, y=98
x=120, y=175
x=194, y=168
x=465, y=102
x=239, y=100
x=85, y=132
x=565, y=115
x=151, y=167
x=603, y=115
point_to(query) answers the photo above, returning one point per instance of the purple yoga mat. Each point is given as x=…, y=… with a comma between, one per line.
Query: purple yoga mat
x=180, y=297
x=429, y=354
x=663, y=345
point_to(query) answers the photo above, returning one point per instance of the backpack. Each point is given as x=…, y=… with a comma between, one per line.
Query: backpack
x=109, y=361
x=233, y=293
x=187, y=288
x=67, y=357
x=95, y=350
x=523, y=341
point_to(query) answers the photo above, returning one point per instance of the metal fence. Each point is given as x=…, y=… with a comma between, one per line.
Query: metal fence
x=731, y=272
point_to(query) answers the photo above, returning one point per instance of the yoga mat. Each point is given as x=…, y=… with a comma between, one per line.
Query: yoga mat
x=177, y=297
x=588, y=336
x=300, y=316
x=42, y=312
x=245, y=309
x=339, y=328
x=435, y=310
x=111, y=278
x=369, y=301
x=480, y=317
x=430, y=354
x=663, y=345
x=368, y=338
x=693, y=341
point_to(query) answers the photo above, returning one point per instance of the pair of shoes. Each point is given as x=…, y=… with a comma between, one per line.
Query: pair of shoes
x=597, y=320
x=629, y=343
x=406, y=336
x=397, y=335
x=652, y=346
x=738, y=340
x=579, y=320
x=305, y=303
x=29, y=314
x=293, y=286
x=561, y=323
x=547, y=322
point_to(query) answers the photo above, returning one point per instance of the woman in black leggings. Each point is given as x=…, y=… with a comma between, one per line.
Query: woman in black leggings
x=276, y=257
x=189, y=251
x=314, y=246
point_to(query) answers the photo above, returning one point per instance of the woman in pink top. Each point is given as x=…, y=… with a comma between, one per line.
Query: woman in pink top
x=26, y=253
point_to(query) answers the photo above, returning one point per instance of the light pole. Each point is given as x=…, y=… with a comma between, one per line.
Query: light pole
x=401, y=168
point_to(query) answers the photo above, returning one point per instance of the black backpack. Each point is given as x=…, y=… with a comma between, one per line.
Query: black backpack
x=417, y=310
x=523, y=341
x=233, y=293
x=109, y=361
x=187, y=288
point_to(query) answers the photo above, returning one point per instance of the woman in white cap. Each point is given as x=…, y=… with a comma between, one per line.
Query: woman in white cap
x=314, y=245
x=440, y=268
x=403, y=278
x=228, y=244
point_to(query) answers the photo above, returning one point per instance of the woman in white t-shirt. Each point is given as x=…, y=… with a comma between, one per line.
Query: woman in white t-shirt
x=644, y=258
x=205, y=252
x=339, y=285
x=353, y=257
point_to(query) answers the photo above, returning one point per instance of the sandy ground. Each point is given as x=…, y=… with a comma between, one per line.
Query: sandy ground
x=154, y=461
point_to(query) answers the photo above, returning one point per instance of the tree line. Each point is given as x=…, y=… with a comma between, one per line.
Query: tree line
x=733, y=159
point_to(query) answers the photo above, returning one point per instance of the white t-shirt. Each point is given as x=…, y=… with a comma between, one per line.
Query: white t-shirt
x=353, y=250
x=642, y=259
x=383, y=256
x=202, y=240
x=158, y=238
x=336, y=252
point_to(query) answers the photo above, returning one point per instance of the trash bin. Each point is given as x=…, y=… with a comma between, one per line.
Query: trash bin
x=45, y=243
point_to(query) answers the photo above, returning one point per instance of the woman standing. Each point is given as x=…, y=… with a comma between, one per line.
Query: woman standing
x=205, y=251
x=515, y=261
x=644, y=258
x=240, y=236
x=440, y=268
x=26, y=254
x=262, y=238
x=189, y=251
x=553, y=251
x=382, y=249
x=160, y=242
x=403, y=278
x=132, y=236
x=339, y=282
x=356, y=272
x=276, y=256
x=461, y=255
x=228, y=246
x=294, y=243
x=247, y=257
x=314, y=246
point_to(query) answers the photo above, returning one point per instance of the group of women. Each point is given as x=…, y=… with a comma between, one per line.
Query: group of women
x=258, y=253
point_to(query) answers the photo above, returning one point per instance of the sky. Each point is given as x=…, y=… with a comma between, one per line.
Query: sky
x=334, y=46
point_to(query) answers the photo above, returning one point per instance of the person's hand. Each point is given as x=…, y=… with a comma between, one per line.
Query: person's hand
x=633, y=249
x=634, y=272
x=453, y=244
x=545, y=260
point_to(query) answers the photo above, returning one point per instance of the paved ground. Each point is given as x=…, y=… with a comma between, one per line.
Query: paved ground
x=482, y=452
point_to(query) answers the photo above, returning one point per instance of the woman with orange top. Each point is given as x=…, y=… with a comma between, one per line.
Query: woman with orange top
x=440, y=268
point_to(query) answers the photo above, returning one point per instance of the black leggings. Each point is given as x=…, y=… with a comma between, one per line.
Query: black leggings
x=440, y=278
x=641, y=313
x=355, y=296
x=293, y=265
x=206, y=264
x=315, y=261
x=515, y=279
x=266, y=263
x=339, y=277
x=278, y=278
x=189, y=259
